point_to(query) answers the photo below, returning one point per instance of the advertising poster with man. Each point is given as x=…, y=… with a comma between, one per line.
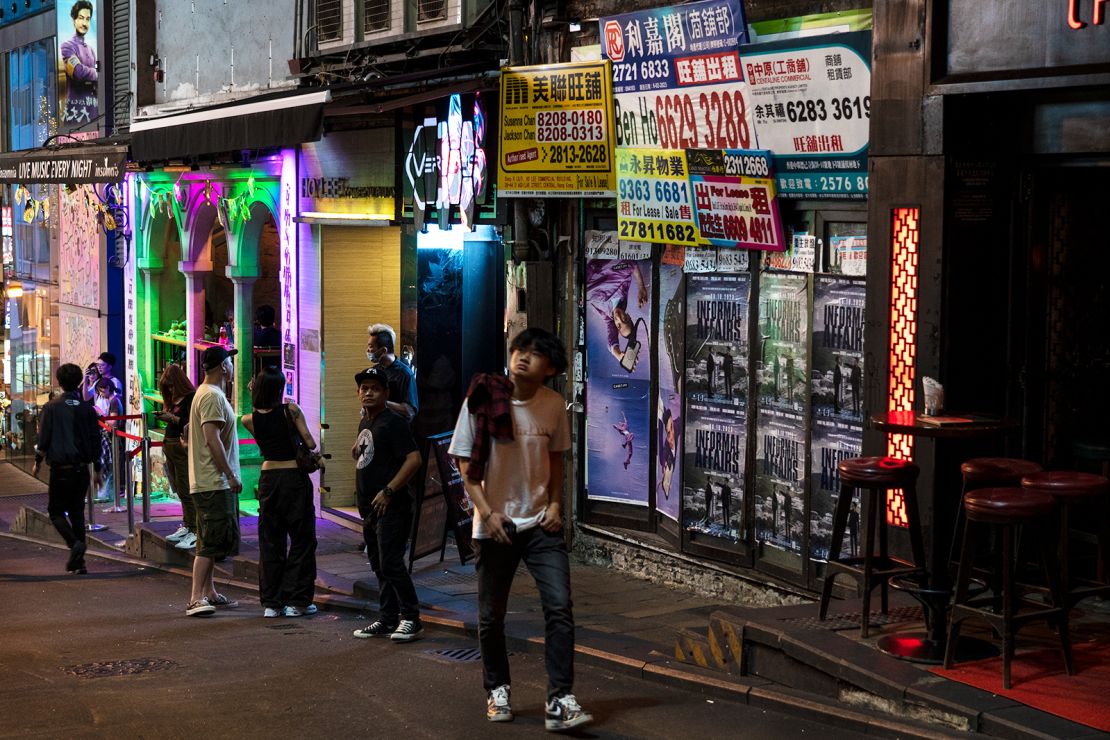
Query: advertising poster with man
x=783, y=326
x=833, y=441
x=618, y=405
x=837, y=380
x=78, y=69
x=671, y=358
x=780, y=482
x=716, y=408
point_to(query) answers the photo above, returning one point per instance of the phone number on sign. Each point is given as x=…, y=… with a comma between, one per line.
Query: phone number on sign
x=657, y=232
x=570, y=125
x=713, y=120
x=577, y=154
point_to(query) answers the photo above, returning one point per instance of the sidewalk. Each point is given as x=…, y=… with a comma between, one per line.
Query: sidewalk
x=622, y=622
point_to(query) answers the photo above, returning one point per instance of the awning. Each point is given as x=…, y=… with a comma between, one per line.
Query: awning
x=67, y=165
x=258, y=124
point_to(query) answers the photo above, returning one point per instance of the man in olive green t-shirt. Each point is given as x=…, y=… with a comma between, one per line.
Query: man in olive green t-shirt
x=213, y=479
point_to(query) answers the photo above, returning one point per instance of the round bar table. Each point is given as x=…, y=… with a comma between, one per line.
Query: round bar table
x=928, y=646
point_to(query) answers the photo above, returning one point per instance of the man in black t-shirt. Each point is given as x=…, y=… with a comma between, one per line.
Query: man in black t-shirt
x=386, y=459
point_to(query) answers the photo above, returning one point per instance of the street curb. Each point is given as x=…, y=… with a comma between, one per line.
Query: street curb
x=659, y=669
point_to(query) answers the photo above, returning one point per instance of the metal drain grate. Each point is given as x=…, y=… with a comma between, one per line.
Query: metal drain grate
x=447, y=578
x=457, y=654
x=120, y=667
x=852, y=621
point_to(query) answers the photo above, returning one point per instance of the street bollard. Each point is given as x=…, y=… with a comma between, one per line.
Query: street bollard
x=146, y=477
x=91, y=525
x=130, y=507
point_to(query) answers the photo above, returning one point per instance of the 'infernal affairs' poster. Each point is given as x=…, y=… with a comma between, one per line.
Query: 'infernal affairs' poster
x=717, y=360
x=671, y=357
x=783, y=327
x=618, y=399
x=833, y=441
x=779, y=483
x=838, y=349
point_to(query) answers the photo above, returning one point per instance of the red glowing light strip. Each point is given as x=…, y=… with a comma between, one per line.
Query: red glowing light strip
x=903, y=339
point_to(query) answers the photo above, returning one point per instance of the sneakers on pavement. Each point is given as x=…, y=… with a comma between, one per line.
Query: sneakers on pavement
x=76, y=556
x=299, y=611
x=222, y=602
x=188, y=542
x=407, y=631
x=564, y=713
x=200, y=608
x=177, y=535
x=271, y=613
x=497, y=705
x=377, y=629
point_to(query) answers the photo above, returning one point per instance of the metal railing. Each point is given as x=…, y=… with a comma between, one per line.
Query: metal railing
x=123, y=485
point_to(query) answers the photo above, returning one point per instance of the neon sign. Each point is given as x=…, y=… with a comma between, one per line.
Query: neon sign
x=1098, y=14
x=446, y=165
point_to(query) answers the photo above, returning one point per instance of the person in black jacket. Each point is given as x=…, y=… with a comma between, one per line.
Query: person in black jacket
x=69, y=439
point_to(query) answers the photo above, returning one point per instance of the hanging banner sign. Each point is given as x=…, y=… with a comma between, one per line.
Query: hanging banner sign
x=653, y=197
x=677, y=77
x=812, y=108
x=735, y=209
x=67, y=166
x=557, y=131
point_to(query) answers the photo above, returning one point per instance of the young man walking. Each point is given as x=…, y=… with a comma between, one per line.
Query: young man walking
x=69, y=439
x=387, y=459
x=509, y=440
x=213, y=479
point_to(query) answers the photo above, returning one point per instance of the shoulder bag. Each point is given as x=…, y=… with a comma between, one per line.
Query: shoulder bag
x=308, y=461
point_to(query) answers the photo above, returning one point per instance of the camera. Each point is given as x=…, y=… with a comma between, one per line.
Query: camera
x=92, y=369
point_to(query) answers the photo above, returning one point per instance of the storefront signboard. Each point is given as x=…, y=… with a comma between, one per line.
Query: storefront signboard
x=812, y=108
x=653, y=197
x=717, y=361
x=68, y=166
x=734, y=198
x=677, y=79
x=557, y=131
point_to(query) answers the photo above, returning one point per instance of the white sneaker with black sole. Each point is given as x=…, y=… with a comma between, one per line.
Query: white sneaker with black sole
x=177, y=535
x=407, y=631
x=564, y=713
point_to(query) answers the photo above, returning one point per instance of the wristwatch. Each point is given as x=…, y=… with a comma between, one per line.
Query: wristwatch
x=387, y=491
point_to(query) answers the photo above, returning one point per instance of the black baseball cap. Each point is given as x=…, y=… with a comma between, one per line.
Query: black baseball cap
x=211, y=358
x=372, y=373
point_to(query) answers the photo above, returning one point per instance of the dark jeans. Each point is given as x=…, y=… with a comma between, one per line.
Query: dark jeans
x=545, y=554
x=286, y=577
x=68, y=488
x=386, y=537
x=177, y=469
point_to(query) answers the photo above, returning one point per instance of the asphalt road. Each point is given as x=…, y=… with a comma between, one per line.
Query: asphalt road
x=238, y=675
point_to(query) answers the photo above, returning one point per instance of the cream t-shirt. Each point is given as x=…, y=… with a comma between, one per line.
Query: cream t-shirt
x=518, y=470
x=210, y=404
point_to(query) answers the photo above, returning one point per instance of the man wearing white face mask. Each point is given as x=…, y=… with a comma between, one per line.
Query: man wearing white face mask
x=380, y=350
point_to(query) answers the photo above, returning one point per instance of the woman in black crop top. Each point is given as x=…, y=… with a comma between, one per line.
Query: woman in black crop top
x=177, y=399
x=287, y=576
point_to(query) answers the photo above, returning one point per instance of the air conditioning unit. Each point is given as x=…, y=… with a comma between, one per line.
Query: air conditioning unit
x=335, y=23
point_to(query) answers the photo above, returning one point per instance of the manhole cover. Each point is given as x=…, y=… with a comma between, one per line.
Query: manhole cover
x=120, y=667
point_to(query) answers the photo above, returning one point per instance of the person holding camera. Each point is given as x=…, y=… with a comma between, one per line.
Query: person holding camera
x=386, y=458
x=177, y=399
x=286, y=517
x=102, y=367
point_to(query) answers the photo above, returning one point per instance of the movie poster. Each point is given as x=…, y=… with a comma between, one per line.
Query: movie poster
x=780, y=479
x=783, y=326
x=833, y=441
x=671, y=357
x=837, y=382
x=78, y=76
x=618, y=400
x=716, y=403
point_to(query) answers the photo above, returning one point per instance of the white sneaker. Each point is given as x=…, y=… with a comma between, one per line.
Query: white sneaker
x=498, y=708
x=176, y=536
x=299, y=611
x=188, y=542
x=564, y=713
x=271, y=613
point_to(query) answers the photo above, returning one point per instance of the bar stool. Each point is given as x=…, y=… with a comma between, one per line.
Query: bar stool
x=1071, y=489
x=1007, y=509
x=987, y=472
x=874, y=475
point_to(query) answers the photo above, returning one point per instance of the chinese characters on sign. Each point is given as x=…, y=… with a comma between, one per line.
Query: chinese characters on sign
x=653, y=197
x=677, y=78
x=557, y=131
x=812, y=109
x=734, y=198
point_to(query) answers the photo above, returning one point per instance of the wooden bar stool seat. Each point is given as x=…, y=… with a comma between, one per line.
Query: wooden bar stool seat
x=874, y=566
x=987, y=472
x=1071, y=489
x=1006, y=510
